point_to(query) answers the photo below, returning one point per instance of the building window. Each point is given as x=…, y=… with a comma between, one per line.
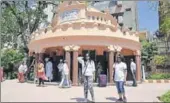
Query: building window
x=93, y=17
x=70, y=3
x=130, y=28
x=121, y=25
x=120, y=19
x=116, y=17
x=97, y=18
x=88, y=17
x=128, y=9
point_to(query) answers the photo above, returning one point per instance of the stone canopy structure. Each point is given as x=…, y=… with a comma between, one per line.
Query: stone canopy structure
x=77, y=27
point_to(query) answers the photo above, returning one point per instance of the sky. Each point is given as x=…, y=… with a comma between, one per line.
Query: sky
x=148, y=16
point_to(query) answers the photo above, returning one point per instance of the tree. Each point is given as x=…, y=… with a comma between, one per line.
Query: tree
x=10, y=60
x=21, y=18
x=165, y=29
x=149, y=49
x=163, y=33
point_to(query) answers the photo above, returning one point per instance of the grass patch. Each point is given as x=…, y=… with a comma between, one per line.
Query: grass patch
x=165, y=97
x=158, y=76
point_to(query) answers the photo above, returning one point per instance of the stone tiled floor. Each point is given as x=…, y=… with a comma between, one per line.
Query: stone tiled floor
x=12, y=91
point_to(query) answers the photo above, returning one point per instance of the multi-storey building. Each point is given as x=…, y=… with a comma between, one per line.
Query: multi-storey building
x=163, y=46
x=124, y=11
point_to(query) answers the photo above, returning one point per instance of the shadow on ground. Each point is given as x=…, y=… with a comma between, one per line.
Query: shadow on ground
x=79, y=99
x=113, y=99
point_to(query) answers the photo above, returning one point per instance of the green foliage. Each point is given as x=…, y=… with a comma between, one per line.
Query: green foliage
x=11, y=57
x=160, y=60
x=166, y=97
x=165, y=27
x=149, y=50
x=10, y=27
x=158, y=76
x=19, y=20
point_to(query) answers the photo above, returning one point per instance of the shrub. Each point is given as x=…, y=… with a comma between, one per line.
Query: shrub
x=166, y=97
x=159, y=76
x=160, y=60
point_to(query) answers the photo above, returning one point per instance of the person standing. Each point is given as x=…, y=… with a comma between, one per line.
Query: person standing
x=66, y=82
x=49, y=69
x=99, y=71
x=60, y=67
x=21, y=71
x=1, y=74
x=120, y=69
x=41, y=73
x=88, y=68
x=133, y=70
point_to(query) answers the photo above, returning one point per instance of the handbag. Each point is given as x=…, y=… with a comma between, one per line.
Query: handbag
x=83, y=75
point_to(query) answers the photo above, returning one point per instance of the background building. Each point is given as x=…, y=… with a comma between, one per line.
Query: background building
x=164, y=10
x=124, y=11
x=144, y=35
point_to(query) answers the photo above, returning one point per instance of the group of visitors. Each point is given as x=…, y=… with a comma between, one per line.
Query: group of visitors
x=48, y=75
x=120, y=74
x=88, y=70
x=45, y=73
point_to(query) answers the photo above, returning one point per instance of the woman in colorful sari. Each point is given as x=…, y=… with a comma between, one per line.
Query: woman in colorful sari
x=41, y=73
x=21, y=71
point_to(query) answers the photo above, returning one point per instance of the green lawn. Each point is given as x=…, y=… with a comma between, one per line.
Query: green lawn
x=165, y=97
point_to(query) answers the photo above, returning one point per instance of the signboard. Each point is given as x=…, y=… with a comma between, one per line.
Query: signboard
x=69, y=15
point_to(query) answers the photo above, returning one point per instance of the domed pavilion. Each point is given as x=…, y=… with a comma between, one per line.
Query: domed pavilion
x=77, y=29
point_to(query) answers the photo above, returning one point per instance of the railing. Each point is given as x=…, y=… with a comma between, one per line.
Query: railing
x=98, y=19
x=89, y=18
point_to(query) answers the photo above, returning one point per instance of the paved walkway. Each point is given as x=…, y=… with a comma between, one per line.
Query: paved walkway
x=12, y=91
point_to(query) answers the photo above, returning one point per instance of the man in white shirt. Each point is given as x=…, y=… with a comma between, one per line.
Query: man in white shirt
x=133, y=70
x=120, y=69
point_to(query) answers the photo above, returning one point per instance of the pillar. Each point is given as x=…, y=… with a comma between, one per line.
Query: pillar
x=111, y=62
x=118, y=50
x=138, y=67
x=36, y=57
x=67, y=57
x=41, y=57
x=75, y=65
